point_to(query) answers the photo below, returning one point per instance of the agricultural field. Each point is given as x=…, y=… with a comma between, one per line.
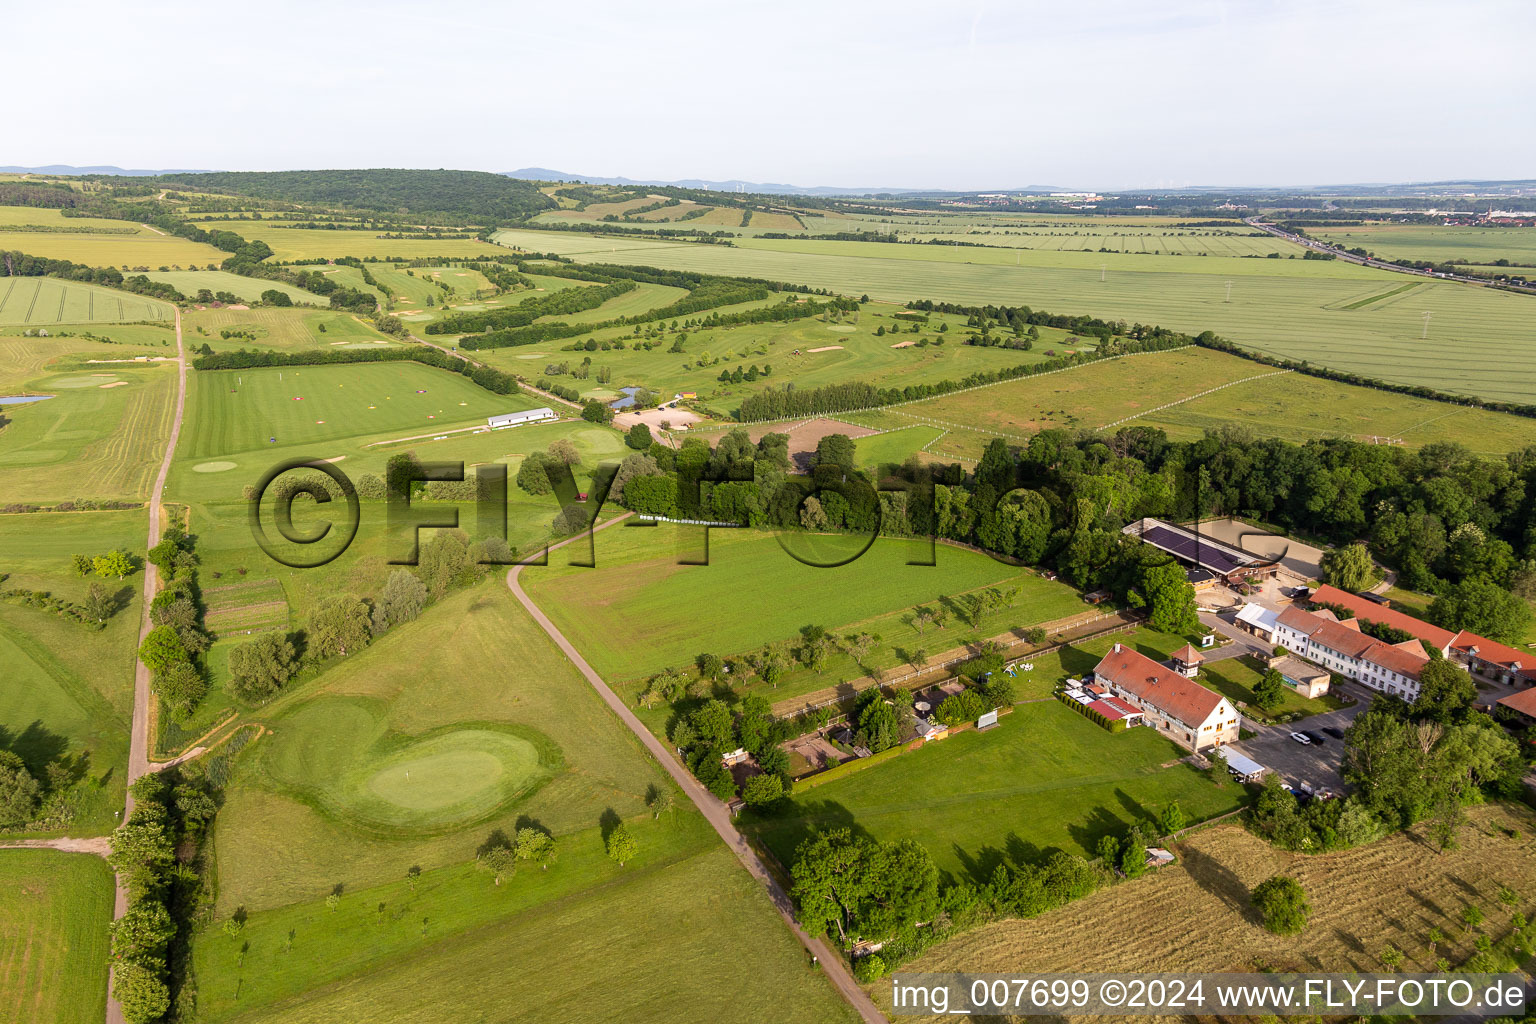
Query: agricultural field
x=246, y=289
x=55, y=909
x=1168, y=390
x=1430, y=242
x=45, y=301
x=98, y=242
x=98, y=435
x=1300, y=408
x=1392, y=891
x=1045, y=778
x=638, y=611
x=69, y=690
x=284, y=330
x=1292, y=308
x=298, y=243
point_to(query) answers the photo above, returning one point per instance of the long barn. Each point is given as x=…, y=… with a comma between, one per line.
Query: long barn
x=513, y=419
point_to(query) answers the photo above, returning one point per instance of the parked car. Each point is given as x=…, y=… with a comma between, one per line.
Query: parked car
x=1334, y=731
x=1375, y=598
x=1315, y=737
x=1301, y=737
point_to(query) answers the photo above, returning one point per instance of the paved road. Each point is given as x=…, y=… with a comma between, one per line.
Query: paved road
x=138, y=746
x=1369, y=261
x=713, y=809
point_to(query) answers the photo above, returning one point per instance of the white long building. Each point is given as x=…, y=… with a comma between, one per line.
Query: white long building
x=514, y=419
x=1341, y=647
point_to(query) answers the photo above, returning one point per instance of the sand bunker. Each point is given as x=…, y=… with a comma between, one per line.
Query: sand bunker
x=826, y=348
x=904, y=344
x=236, y=305
x=114, y=384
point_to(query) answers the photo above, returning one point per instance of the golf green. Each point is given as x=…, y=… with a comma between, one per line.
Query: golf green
x=338, y=755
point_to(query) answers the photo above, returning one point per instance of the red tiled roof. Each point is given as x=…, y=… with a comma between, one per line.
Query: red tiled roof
x=1523, y=702
x=1370, y=611
x=1409, y=661
x=1494, y=652
x=1157, y=685
x=1338, y=637
x=1188, y=655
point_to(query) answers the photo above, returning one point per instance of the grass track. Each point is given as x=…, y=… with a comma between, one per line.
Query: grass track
x=55, y=909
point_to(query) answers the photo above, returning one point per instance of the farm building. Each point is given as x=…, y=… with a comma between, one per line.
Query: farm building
x=1258, y=620
x=514, y=419
x=1522, y=703
x=1307, y=680
x=1477, y=654
x=1341, y=647
x=1180, y=708
x=1224, y=562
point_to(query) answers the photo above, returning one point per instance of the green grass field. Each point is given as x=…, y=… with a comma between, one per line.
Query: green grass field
x=45, y=301
x=639, y=611
x=1132, y=392
x=809, y=353
x=247, y=289
x=329, y=786
x=66, y=689
x=896, y=445
x=1045, y=778
x=142, y=247
x=54, y=912
x=420, y=284
x=1294, y=308
x=284, y=330
x=410, y=963
x=1437, y=243
x=100, y=436
x=239, y=410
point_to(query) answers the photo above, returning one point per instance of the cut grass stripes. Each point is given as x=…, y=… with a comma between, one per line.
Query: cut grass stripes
x=1383, y=295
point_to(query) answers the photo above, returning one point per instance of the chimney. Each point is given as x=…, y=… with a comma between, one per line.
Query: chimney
x=1117, y=648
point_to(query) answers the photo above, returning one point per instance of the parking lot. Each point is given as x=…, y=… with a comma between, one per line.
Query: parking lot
x=1317, y=764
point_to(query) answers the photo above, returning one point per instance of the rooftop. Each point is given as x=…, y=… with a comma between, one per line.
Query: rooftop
x=1157, y=685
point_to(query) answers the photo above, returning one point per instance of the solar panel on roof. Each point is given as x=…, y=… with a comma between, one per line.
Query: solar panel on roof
x=1184, y=546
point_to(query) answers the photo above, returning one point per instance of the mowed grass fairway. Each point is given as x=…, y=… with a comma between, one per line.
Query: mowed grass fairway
x=1389, y=892
x=1045, y=778
x=472, y=681
x=55, y=909
x=44, y=301
x=280, y=329
x=64, y=688
x=1299, y=309
x=100, y=436
x=663, y=939
x=640, y=611
x=239, y=410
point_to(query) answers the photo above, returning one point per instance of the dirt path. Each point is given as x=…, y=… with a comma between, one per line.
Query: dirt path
x=138, y=746
x=714, y=811
x=96, y=845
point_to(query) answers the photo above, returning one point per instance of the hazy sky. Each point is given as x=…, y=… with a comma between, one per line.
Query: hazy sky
x=1090, y=93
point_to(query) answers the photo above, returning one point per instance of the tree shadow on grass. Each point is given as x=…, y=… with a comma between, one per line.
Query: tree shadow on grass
x=607, y=822
x=1100, y=822
x=37, y=746
x=1218, y=880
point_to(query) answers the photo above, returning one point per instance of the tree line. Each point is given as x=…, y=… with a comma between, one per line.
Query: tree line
x=493, y=380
